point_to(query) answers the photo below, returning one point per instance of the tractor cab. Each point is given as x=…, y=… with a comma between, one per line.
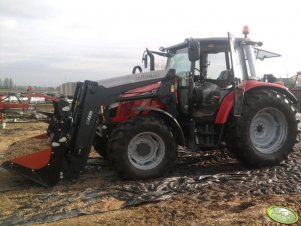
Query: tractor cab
x=203, y=78
x=208, y=69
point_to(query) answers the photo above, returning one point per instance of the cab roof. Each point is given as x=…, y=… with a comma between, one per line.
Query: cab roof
x=206, y=44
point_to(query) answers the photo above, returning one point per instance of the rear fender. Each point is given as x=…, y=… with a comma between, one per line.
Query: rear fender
x=256, y=85
x=168, y=119
x=227, y=103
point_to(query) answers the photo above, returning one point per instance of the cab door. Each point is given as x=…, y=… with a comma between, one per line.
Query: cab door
x=237, y=74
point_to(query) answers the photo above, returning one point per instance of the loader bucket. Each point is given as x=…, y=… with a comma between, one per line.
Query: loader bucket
x=42, y=166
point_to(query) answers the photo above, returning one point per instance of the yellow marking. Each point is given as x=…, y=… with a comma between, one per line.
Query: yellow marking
x=172, y=88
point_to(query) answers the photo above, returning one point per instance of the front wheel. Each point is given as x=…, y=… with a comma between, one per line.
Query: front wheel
x=142, y=147
x=266, y=131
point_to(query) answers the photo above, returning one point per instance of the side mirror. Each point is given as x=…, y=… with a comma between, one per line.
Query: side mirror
x=193, y=50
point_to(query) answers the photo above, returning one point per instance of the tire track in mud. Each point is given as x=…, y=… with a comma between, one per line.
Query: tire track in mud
x=211, y=175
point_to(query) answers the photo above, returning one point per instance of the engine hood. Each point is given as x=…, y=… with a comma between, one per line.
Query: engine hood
x=133, y=78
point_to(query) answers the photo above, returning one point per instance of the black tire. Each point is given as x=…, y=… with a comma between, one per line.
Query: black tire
x=266, y=131
x=142, y=147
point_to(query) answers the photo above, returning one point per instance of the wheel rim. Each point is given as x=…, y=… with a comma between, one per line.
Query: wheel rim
x=146, y=150
x=268, y=130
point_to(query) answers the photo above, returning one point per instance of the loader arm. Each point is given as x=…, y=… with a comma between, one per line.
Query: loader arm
x=89, y=97
x=72, y=131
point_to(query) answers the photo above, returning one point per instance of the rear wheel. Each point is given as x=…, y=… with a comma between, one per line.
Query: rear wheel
x=142, y=148
x=266, y=131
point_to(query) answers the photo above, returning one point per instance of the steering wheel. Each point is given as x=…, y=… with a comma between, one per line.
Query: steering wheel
x=201, y=77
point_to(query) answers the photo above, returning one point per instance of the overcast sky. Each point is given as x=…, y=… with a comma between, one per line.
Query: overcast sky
x=48, y=42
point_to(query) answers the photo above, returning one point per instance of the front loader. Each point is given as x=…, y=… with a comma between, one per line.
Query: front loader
x=209, y=96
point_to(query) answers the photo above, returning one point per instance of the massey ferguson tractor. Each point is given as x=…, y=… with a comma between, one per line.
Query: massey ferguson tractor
x=208, y=96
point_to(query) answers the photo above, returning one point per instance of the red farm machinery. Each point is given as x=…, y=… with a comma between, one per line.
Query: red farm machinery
x=208, y=96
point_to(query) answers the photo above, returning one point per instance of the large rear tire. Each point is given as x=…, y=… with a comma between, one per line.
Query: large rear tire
x=266, y=131
x=142, y=147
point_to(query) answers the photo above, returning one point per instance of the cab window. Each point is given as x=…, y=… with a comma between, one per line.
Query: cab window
x=216, y=64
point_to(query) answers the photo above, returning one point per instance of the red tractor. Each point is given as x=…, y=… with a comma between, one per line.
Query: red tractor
x=209, y=96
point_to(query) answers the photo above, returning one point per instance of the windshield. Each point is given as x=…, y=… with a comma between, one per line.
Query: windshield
x=179, y=61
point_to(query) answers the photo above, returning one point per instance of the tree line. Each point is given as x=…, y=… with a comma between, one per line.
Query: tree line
x=6, y=83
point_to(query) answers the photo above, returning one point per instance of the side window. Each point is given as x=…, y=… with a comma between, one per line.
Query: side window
x=217, y=64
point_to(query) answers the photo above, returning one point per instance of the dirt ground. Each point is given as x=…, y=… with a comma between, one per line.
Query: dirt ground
x=206, y=188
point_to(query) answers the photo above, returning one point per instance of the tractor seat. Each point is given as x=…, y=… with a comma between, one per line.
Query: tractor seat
x=224, y=79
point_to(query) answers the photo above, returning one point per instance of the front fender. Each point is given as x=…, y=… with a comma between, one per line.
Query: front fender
x=169, y=119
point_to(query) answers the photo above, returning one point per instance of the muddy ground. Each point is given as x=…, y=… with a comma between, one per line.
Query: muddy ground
x=206, y=188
